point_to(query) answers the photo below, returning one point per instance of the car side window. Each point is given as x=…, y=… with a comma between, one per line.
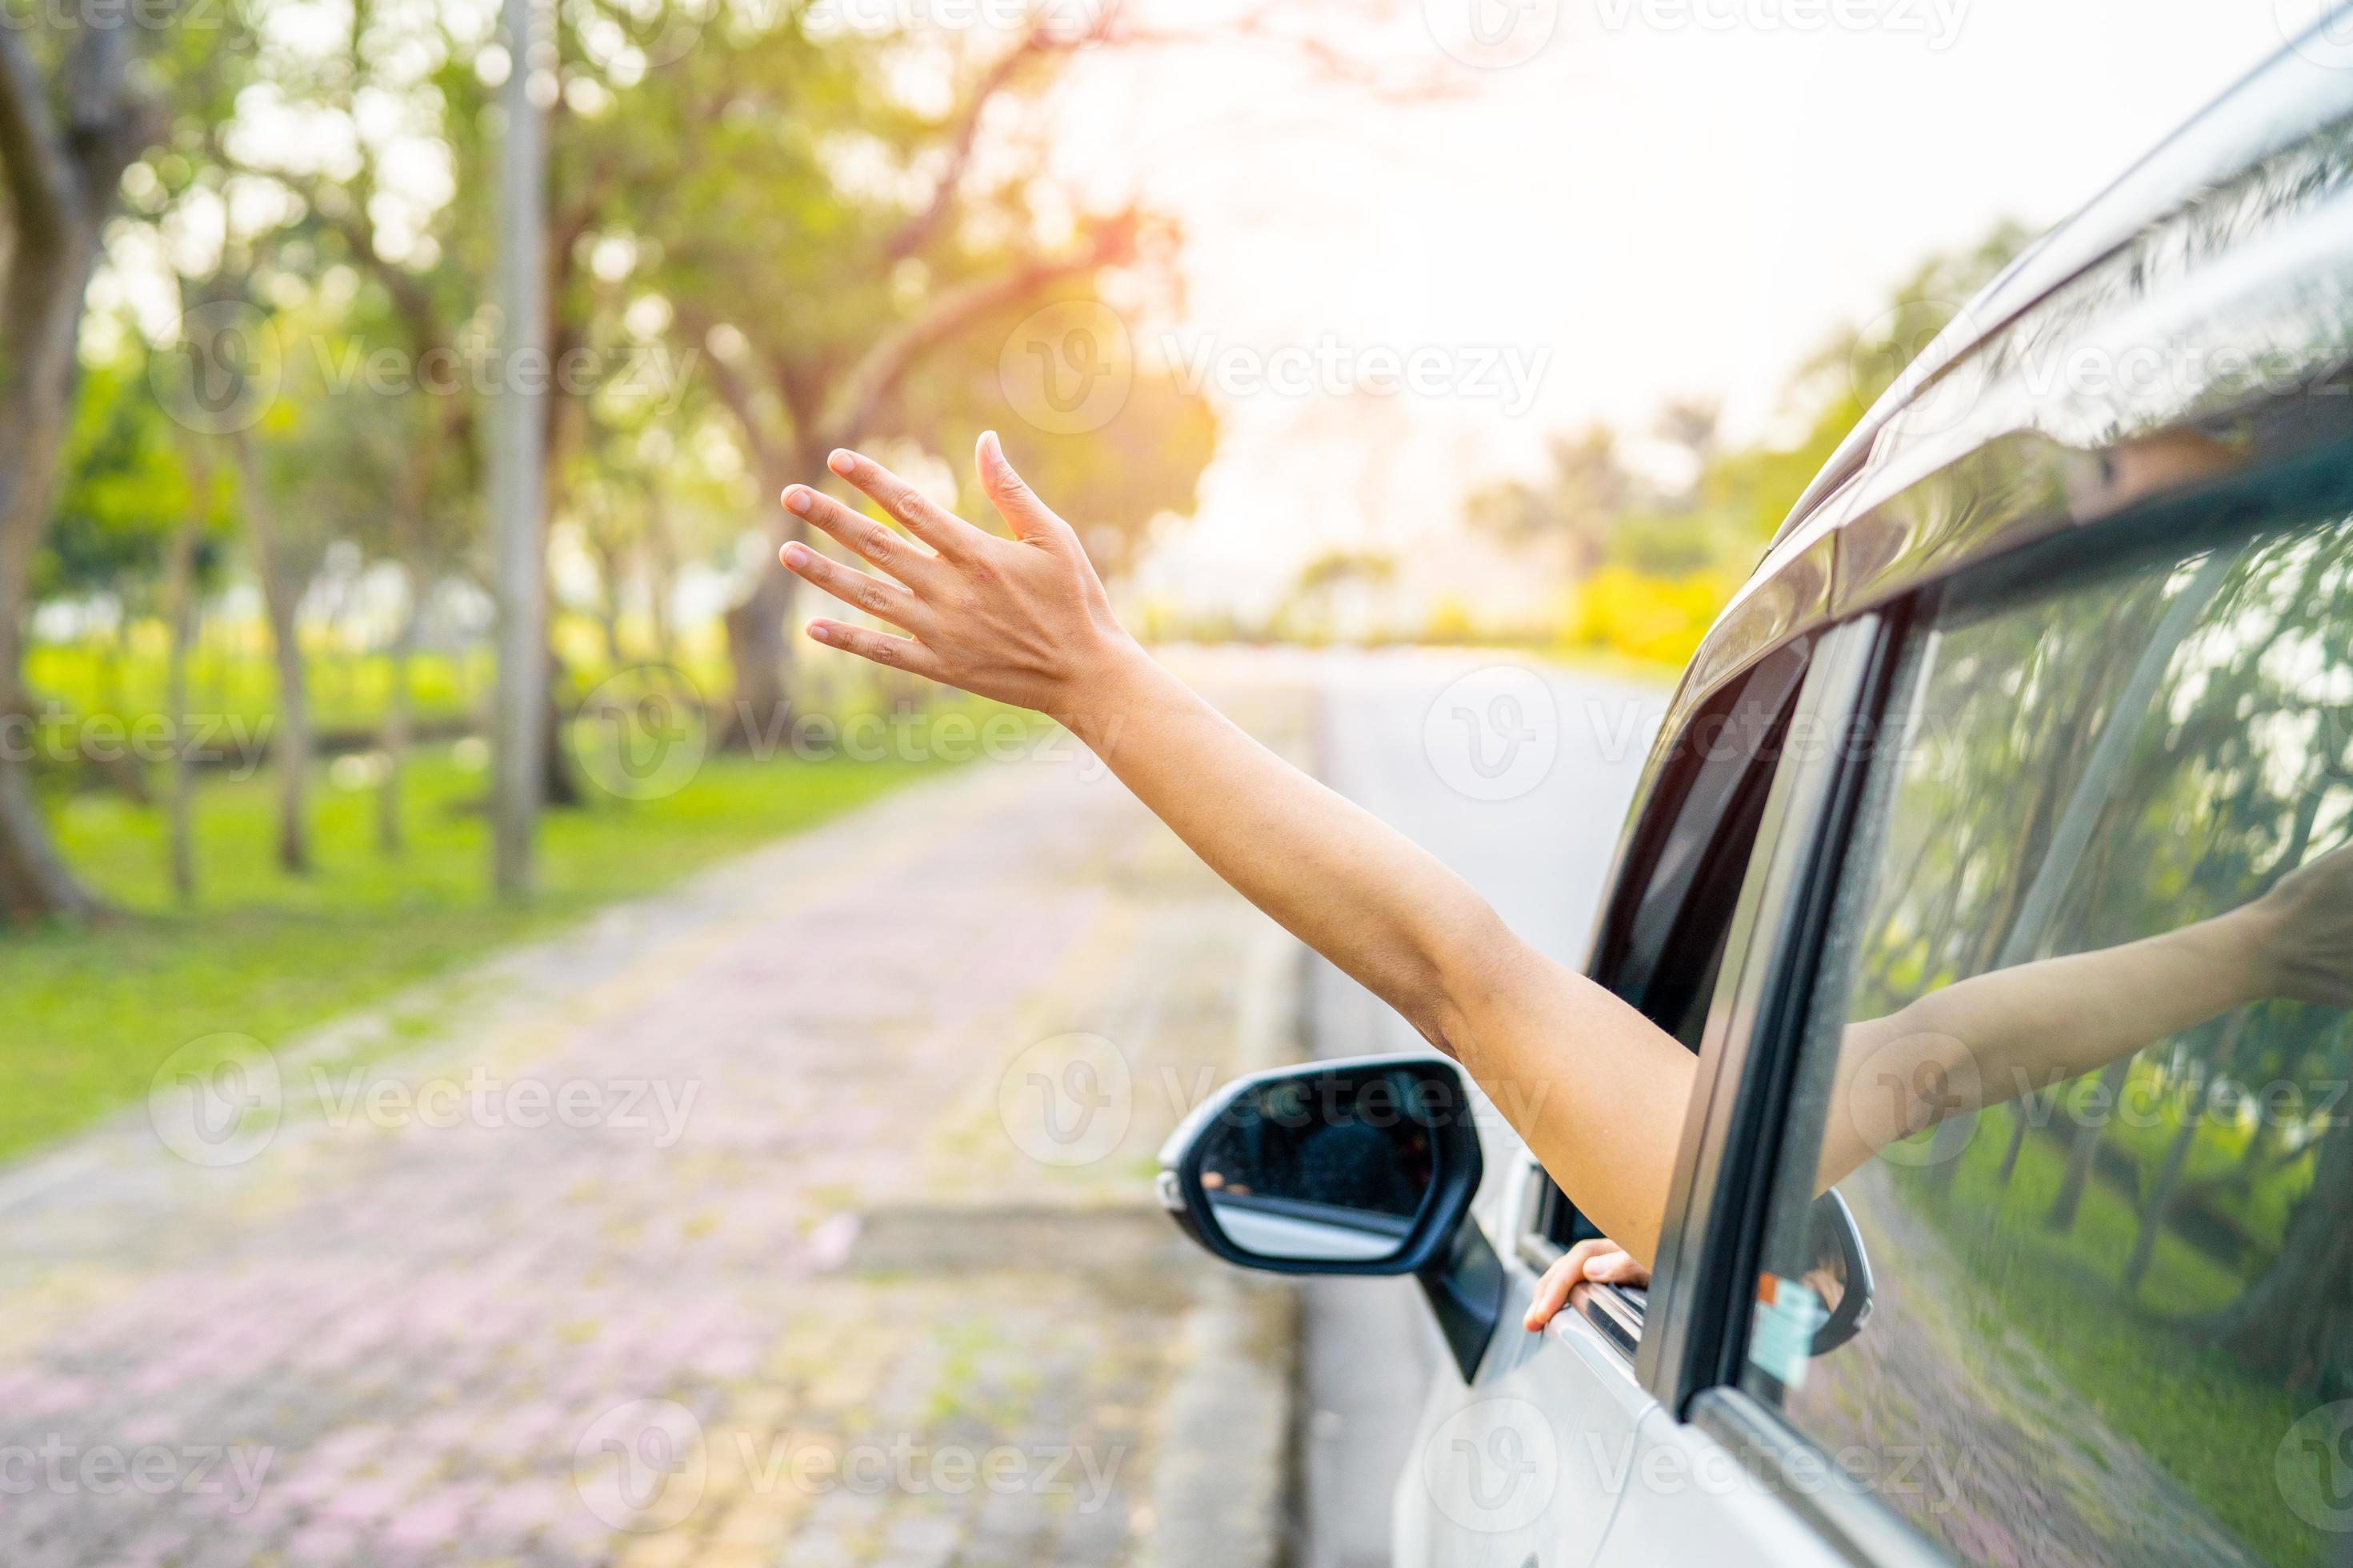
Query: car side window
x=2058, y=1261
x=1662, y=939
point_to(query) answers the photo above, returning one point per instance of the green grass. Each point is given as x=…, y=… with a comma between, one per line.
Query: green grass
x=347, y=691
x=2190, y=1408
x=2261, y=1207
x=93, y=1012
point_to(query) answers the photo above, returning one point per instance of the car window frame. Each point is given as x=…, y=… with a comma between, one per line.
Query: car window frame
x=1714, y=1219
x=1667, y=864
x=1653, y=885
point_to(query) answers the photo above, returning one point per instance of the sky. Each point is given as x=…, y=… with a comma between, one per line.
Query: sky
x=1611, y=203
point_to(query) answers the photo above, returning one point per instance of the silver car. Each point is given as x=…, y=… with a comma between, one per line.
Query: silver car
x=2045, y=689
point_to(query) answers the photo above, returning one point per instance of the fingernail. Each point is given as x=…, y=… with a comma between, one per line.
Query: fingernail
x=992, y=451
x=796, y=498
x=818, y=633
x=796, y=554
x=841, y=463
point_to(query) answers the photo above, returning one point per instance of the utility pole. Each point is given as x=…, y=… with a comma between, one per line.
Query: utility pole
x=516, y=469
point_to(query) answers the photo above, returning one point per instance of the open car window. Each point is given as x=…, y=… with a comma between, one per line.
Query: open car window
x=1665, y=932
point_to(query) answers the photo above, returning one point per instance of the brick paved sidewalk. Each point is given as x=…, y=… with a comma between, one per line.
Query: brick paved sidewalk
x=791, y=1217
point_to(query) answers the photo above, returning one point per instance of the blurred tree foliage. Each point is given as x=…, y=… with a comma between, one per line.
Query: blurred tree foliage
x=773, y=229
x=2238, y=772
x=1654, y=548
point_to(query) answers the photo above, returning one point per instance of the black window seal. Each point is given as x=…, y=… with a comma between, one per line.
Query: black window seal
x=1709, y=1237
x=1777, y=680
x=1645, y=891
x=1616, y=1313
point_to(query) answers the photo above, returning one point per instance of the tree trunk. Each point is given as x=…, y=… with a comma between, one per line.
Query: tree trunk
x=181, y=605
x=39, y=321
x=761, y=656
x=662, y=560
x=281, y=593
x=118, y=768
x=2082, y=1148
x=111, y=697
x=294, y=750
x=2292, y=1323
x=558, y=786
x=2158, y=1203
x=2022, y=1122
x=390, y=841
x=608, y=626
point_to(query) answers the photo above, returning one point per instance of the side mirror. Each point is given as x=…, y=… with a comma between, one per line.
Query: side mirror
x=1841, y=1274
x=1363, y=1166
x=1367, y=1165
x=1816, y=1296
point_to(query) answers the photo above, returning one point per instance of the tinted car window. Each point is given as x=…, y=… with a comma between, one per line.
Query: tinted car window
x=2077, y=1068
x=1663, y=946
x=1662, y=942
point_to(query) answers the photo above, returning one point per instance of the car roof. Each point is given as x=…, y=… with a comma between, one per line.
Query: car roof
x=2182, y=322
x=2289, y=97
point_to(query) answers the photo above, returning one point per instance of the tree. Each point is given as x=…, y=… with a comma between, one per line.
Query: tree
x=1571, y=513
x=1325, y=579
x=816, y=302
x=420, y=263
x=120, y=493
x=2296, y=1322
x=1593, y=507
x=67, y=135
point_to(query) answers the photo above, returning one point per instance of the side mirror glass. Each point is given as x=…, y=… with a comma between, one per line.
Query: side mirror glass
x=1840, y=1274
x=1364, y=1166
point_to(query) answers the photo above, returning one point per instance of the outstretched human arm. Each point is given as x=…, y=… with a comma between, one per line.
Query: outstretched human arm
x=1594, y=1088
x=1597, y=1091
x=2013, y=1032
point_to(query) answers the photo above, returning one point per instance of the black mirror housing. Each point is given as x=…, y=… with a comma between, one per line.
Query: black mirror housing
x=1361, y=1165
x=1319, y=1165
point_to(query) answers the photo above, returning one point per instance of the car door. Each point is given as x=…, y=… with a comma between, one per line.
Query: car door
x=1523, y=1463
x=2097, y=861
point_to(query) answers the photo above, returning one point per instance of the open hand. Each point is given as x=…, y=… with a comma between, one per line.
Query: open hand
x=2305, y=941
x=1022, y=620
x=1599, y=1261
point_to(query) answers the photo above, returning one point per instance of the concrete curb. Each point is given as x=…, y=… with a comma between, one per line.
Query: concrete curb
x=1222, y=1488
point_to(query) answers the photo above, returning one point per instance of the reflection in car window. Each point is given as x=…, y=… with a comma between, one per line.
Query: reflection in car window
x=2078, y=1071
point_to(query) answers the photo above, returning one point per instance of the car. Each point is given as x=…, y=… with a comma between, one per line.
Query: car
x=2041, y=698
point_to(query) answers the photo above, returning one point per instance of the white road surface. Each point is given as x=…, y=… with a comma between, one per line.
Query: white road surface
x=1518, y=775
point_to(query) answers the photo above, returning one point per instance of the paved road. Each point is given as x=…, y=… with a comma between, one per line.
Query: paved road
x=802, y=1215
x=1427, y=742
